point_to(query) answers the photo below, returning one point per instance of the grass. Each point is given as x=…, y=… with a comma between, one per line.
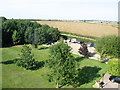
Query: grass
x=79, y=35
x=116, y=26
x=18, y=77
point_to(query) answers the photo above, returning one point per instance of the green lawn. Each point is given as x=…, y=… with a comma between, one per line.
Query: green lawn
x=18, y=77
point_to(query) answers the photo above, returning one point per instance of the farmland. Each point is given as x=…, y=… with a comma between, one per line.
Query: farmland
x=95, y=29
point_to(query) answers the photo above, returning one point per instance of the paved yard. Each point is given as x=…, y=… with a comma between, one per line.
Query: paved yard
x=76, y=46
x=108, y=83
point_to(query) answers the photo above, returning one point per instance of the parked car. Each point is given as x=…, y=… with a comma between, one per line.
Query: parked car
x=49, y=43
x=115, y=79
x=105, y=60
x=74, y=40
x=90, y=44
x=69, y=39
x=79, y=41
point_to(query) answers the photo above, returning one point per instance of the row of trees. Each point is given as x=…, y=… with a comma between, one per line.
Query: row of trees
x=26, y=32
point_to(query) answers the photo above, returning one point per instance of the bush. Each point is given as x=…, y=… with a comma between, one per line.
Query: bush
x=113, y=67
x=108, y=46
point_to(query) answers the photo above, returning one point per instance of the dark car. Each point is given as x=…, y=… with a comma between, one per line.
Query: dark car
x=115, y=79
x=49, y=43
x=79, y=41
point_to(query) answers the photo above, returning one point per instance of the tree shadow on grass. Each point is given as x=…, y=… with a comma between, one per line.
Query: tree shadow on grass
x=85, y=75
x=42, y=48
x=80, y=58
x=38, y=64
x=8, y=62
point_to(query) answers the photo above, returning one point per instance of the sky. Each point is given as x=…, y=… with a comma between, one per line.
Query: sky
x=60, y=9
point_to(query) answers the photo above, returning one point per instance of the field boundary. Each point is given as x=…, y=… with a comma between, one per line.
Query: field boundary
x=78, y=37
x=85, y=36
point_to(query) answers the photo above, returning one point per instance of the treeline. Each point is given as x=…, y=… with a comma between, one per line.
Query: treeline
x=26, y=32
x=40, y=19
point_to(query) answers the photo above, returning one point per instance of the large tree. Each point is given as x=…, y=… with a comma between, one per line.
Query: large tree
x=108, y=46
x=26, y=58
x=62, y=64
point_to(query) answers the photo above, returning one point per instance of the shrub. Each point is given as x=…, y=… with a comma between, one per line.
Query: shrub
x=113, y=66
x=108, y=45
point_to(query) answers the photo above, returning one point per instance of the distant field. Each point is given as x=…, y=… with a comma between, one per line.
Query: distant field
x=84, y=28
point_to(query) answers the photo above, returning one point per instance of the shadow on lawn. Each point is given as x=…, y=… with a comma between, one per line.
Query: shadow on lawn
x=87, y=74
x=38, y=64
x=80, y=58
x=84, y=75
x=8, y=62
x=42, y=48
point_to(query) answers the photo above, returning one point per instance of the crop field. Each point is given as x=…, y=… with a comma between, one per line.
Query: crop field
x=96, y=29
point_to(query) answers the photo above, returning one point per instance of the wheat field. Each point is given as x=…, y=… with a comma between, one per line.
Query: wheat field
x=96, y=29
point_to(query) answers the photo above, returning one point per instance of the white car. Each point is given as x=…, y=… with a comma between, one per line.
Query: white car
x=74, y=40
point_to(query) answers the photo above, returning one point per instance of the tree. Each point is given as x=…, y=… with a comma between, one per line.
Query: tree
x=108, y=46
x=26, y=58
x=62, y=64
x=16, y=37
x=8, y=27
x=83, y=50
x=2, y=19
x=113, y=66
x=29, y=35
x=54, y=34
x=36, y=38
